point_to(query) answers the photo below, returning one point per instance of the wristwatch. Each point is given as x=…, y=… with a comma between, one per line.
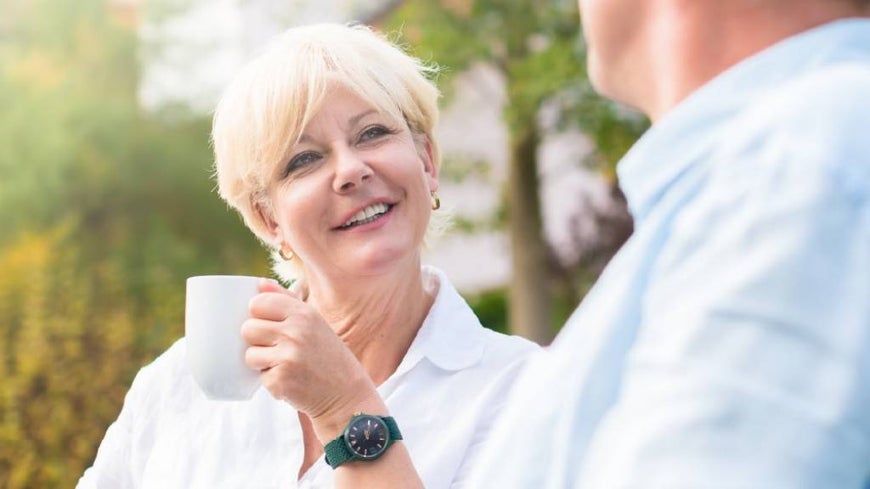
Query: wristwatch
x=366, y=437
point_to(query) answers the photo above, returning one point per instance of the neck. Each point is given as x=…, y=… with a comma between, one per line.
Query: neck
x=693, y=42
x=377, y=317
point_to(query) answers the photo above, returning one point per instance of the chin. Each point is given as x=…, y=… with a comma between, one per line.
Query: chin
x=597, y=76
x=384, y=259
x=608, y=85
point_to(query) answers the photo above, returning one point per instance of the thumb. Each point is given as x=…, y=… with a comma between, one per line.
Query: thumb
x=270, y=285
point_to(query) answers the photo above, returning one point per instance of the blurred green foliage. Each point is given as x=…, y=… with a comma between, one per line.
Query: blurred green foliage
x=538, y=47
x=104, y=210
x=491, y=307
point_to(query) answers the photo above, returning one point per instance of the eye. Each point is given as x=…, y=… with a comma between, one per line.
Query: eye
x=374, y=132
x=300, y=162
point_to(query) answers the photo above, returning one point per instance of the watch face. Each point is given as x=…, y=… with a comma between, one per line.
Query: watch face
x=367, y=436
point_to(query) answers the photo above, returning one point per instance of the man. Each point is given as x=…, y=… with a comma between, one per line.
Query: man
x=727, y=345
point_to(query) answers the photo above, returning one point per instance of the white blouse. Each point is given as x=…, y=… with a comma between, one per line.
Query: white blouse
x=444, y=396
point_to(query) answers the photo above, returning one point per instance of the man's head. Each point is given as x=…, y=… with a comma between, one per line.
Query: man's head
x=650, y=54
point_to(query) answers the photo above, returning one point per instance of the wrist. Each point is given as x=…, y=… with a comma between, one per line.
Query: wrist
x=331, y=422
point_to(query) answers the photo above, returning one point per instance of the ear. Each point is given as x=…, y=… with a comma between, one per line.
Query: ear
x=264, y=213
x=428, y=158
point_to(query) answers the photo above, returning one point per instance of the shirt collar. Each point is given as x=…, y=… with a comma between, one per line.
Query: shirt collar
x=450, y=336
x=680, y=138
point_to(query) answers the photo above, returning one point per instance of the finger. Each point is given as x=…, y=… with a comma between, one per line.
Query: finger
x=261, y=358
x=272, y=306
x=259, y=332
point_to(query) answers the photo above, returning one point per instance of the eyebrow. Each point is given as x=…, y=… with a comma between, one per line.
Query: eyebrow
x=304, y=138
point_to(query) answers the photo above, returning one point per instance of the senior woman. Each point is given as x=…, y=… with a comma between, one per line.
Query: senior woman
x=324, y=144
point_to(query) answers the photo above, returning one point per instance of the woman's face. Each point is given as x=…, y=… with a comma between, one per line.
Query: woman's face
x=353, y=198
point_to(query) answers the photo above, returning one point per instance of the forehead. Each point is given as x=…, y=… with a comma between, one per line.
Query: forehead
x=342, y=106
x=338, y=100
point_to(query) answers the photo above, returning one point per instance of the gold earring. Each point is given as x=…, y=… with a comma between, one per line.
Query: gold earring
x=287, y=254
x=436, y=202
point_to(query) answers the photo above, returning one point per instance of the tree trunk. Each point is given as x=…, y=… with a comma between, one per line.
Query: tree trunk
x=530, y=294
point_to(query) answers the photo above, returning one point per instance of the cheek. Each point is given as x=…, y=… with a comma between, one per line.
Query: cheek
x=609, y=24
x=292, y=211
x=597, y=30
x=590, y=12
x=609, y=27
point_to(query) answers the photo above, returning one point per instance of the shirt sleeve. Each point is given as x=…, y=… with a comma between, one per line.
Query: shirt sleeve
x=113, y=466
x=751, y=365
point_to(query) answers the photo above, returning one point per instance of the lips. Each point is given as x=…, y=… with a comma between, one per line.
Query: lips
x=367, y=214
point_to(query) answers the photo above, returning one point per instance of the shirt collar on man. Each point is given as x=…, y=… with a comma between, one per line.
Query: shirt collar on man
x=678, y=141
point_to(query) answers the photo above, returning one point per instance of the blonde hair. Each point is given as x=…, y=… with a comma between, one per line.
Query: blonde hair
x=264, y=110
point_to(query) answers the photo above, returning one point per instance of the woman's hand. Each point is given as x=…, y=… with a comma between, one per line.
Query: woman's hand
x=302, y=361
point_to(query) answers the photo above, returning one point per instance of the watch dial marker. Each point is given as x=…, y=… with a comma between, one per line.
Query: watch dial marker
x=367, y=437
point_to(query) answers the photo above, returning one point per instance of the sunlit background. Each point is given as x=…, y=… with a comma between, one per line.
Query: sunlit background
x=106, y=200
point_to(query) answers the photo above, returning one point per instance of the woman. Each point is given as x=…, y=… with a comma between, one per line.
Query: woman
x=324, y=144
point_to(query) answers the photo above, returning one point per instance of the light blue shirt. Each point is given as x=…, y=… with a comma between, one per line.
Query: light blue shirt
x=727, y=345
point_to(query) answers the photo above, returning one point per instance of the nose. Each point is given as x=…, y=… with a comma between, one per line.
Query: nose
x=350, y=171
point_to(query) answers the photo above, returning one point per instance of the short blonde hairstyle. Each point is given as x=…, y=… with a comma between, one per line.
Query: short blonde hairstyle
x=264, y=110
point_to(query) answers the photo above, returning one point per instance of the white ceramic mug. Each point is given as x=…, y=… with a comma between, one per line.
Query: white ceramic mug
x=216, y=306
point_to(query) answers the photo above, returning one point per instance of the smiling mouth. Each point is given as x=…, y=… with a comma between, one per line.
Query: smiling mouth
x=367, y=215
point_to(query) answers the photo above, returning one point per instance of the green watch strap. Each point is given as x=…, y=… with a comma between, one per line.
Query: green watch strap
x=392, y=427
x=337, y=452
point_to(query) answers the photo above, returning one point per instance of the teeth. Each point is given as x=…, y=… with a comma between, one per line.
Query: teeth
x=366, y=215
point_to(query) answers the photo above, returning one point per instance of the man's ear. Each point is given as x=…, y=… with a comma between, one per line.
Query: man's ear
x=426, y=154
